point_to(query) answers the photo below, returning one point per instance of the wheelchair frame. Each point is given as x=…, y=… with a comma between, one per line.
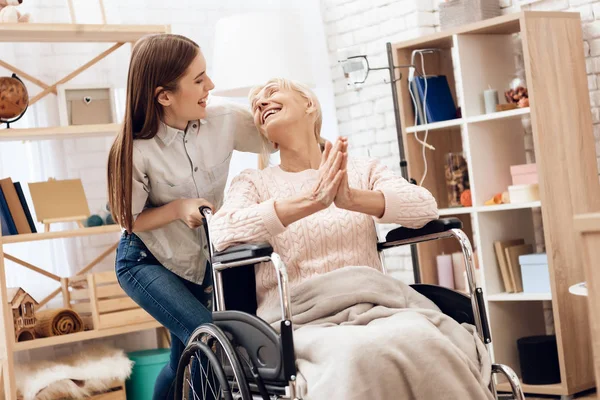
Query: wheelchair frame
x=243, y=255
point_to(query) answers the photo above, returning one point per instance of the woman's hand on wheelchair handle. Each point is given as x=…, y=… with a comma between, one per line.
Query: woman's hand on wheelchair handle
x=189, y=211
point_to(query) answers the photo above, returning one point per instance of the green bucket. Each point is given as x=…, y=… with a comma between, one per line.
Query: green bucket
x=147, y=365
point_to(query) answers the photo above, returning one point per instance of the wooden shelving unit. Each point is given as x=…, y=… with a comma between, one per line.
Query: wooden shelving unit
x=473, y=57
x=77, y=33
x=61, y=33
x=59, y=132
x=82, y=336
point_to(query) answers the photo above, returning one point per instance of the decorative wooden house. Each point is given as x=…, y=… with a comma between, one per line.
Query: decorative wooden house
x=23, y=311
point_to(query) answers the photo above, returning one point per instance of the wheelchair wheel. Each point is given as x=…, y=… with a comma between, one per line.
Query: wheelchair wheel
x=209, y=368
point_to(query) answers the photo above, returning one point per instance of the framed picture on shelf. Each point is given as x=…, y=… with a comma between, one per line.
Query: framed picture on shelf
x=86, y=105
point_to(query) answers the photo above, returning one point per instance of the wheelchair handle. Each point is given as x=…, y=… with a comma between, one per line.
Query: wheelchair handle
x=205, y=211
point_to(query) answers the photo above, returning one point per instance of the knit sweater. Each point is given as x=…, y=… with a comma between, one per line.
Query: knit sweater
x=327, y=240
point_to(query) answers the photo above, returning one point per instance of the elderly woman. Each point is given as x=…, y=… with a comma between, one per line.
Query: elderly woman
x=372, y=334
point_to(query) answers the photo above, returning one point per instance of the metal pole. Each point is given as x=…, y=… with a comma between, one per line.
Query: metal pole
x=403, y=163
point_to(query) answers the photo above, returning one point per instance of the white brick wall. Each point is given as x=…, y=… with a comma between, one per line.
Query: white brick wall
x=366, y=116
x=396, y=20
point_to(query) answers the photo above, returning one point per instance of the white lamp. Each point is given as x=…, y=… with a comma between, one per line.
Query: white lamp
x=252, y=48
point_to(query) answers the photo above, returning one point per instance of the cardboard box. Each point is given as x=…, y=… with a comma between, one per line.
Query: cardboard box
x=524, y=174
x=534, y=272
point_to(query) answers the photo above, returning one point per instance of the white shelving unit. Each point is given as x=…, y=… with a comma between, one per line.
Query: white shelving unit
x=474, y=58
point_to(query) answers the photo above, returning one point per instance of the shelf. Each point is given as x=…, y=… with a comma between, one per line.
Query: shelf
x=68, y=33
x=499, y=207
x=436, y=125
x=32, y=237
x=455, y=211
x=517, y=113
x=506, y=207
x=59, y=132
x=510, y=114
x=87, y=335
x=556, y=389
x=519, y=297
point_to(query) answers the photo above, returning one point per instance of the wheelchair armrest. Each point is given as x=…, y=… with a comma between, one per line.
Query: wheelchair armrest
x=243, y=252
x=434, y=227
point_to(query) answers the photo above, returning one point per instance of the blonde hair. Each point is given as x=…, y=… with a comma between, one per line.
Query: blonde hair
x=305, y=92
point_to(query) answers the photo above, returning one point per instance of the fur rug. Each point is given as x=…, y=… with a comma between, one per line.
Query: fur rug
x=94, y=370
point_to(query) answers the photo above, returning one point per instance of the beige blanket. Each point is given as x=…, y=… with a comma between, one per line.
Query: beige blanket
x=361, y=335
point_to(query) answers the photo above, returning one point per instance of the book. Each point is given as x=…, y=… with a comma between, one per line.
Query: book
x=14, y=205
x=23, y=201
x=417, y=101
x=514, y=267
x=439, y=104
x=6, y=221
x=499, y=247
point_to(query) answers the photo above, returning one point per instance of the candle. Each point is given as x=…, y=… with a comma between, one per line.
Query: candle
x=458, y=266
x=444, y=270
x=490, y=98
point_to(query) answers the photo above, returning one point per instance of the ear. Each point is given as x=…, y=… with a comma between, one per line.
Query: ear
x=162, y=96
x=310, y=107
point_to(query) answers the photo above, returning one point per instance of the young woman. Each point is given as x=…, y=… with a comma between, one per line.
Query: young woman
x=171, y=157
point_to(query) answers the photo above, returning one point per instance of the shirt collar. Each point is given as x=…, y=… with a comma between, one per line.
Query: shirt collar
x=167, y=133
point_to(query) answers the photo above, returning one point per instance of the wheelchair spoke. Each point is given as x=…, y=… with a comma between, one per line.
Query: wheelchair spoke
x=209, y=369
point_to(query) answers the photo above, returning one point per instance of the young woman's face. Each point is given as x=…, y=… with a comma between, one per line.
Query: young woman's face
x=276, y=110
x=188, y=102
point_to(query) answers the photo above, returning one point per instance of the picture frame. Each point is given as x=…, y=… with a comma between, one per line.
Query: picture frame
x=86, y=105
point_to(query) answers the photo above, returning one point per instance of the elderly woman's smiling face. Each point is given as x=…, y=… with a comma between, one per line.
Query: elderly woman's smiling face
x=278, y=109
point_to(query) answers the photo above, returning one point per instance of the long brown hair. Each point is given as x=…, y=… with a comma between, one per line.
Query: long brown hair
x=156, y=61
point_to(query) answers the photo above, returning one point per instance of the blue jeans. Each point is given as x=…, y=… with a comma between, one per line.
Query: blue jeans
x=179, y=305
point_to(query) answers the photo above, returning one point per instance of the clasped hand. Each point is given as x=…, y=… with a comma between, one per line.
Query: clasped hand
x=333, y=186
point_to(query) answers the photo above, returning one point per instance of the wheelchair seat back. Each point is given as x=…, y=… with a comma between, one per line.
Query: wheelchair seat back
x=239, y=286
x=456, y=305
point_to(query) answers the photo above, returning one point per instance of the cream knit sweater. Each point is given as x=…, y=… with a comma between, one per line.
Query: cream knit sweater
x=330, y=239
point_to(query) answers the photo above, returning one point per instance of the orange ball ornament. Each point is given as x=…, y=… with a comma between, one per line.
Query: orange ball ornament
x=465, y=198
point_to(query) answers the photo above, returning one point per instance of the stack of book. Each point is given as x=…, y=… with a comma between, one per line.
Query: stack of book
x=15, y=217
x=507, y=255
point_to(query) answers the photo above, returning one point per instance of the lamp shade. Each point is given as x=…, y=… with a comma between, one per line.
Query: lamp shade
x=252, y=48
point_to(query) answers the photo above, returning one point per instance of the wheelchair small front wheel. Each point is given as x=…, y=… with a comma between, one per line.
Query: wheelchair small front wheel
x=209, y=368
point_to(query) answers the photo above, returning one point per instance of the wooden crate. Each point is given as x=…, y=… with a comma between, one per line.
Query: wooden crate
x=101, y=302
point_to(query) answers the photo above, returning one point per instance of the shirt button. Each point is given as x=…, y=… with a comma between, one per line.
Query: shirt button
x=194, y=126
x=185, y=140
x=196, y=169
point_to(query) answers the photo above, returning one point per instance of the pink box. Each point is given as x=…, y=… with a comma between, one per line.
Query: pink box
x=524, y=174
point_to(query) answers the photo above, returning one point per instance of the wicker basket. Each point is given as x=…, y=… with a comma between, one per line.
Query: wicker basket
x=459, y=12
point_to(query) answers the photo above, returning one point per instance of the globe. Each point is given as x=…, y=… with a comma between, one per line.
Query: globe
x=13, y=98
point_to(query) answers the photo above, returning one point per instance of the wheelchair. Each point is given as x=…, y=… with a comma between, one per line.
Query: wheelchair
x=240, y=357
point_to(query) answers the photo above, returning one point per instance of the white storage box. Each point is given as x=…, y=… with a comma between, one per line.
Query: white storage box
x=524, y=193
x=534, y=272
x=455, y=13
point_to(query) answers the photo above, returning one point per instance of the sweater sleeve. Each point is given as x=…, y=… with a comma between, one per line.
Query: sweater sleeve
x=243, y=218
x=406, y=204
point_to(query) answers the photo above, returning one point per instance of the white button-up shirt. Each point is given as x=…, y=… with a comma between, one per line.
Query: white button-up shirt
x=193, y=164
